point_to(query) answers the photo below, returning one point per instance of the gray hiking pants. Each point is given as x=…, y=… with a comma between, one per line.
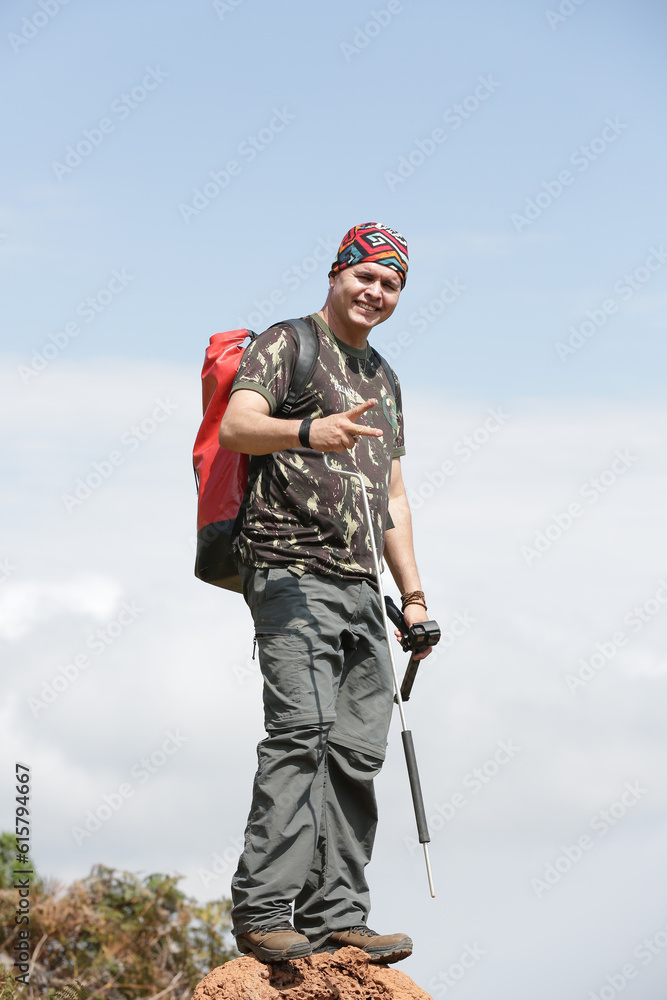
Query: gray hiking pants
x=327, y=706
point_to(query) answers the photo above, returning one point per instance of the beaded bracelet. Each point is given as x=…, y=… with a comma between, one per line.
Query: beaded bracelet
x=413, y=597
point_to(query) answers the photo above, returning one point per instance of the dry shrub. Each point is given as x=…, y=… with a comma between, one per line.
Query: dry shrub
x=114, y=935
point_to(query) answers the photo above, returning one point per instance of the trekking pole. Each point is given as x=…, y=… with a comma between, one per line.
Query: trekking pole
x=406, y=735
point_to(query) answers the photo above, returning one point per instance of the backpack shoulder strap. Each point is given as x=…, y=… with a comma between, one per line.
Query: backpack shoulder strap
x=309, y=350
x=388, y=372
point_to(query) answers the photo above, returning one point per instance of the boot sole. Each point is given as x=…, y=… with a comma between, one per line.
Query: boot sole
x=385, y=956
x=393, y=955
x=271, y=955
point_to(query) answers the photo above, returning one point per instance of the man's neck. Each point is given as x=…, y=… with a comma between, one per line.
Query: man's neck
x=354, y=338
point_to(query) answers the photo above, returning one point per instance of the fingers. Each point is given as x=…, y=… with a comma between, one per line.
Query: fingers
x=359, y=409
x=353, y=414
x=360, y=430
x=340, y=432
x=353, y=431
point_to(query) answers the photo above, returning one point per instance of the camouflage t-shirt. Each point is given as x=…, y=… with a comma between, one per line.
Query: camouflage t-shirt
x=297, y=512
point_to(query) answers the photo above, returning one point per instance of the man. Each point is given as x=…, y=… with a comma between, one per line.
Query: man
x=307, y=572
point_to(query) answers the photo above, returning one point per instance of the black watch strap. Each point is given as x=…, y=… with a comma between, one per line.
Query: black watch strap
x=304, y=432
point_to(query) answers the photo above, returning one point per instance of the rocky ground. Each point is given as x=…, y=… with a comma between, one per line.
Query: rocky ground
x=346, y=975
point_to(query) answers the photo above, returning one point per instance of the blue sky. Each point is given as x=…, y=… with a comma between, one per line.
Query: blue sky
x=110, y=295
x=353, y=112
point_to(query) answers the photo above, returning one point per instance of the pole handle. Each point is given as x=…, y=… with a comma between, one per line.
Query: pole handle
x=415, y=787
x=409, y=679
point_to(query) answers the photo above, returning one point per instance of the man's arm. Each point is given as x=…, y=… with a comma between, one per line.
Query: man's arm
x=247, y=427
x=399, y=551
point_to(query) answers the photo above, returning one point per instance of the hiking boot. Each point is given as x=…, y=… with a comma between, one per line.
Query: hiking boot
x=379, y=947
x=274, y=944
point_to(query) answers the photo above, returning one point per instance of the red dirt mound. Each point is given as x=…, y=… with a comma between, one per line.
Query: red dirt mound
x=346, y=975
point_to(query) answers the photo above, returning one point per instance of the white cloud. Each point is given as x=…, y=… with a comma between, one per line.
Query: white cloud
x=26, y=602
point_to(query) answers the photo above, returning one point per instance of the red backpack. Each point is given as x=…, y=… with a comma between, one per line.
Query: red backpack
x=221, y=475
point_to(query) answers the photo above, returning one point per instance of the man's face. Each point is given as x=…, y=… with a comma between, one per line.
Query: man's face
x=364, y=295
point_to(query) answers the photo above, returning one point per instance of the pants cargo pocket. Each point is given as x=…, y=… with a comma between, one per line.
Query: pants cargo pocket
x=298, y=688
x=283, y=661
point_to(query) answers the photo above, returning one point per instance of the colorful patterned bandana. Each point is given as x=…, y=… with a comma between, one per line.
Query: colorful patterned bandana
x=375, y=243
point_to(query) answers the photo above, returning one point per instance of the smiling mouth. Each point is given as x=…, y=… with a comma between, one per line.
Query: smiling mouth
x=365, y=306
